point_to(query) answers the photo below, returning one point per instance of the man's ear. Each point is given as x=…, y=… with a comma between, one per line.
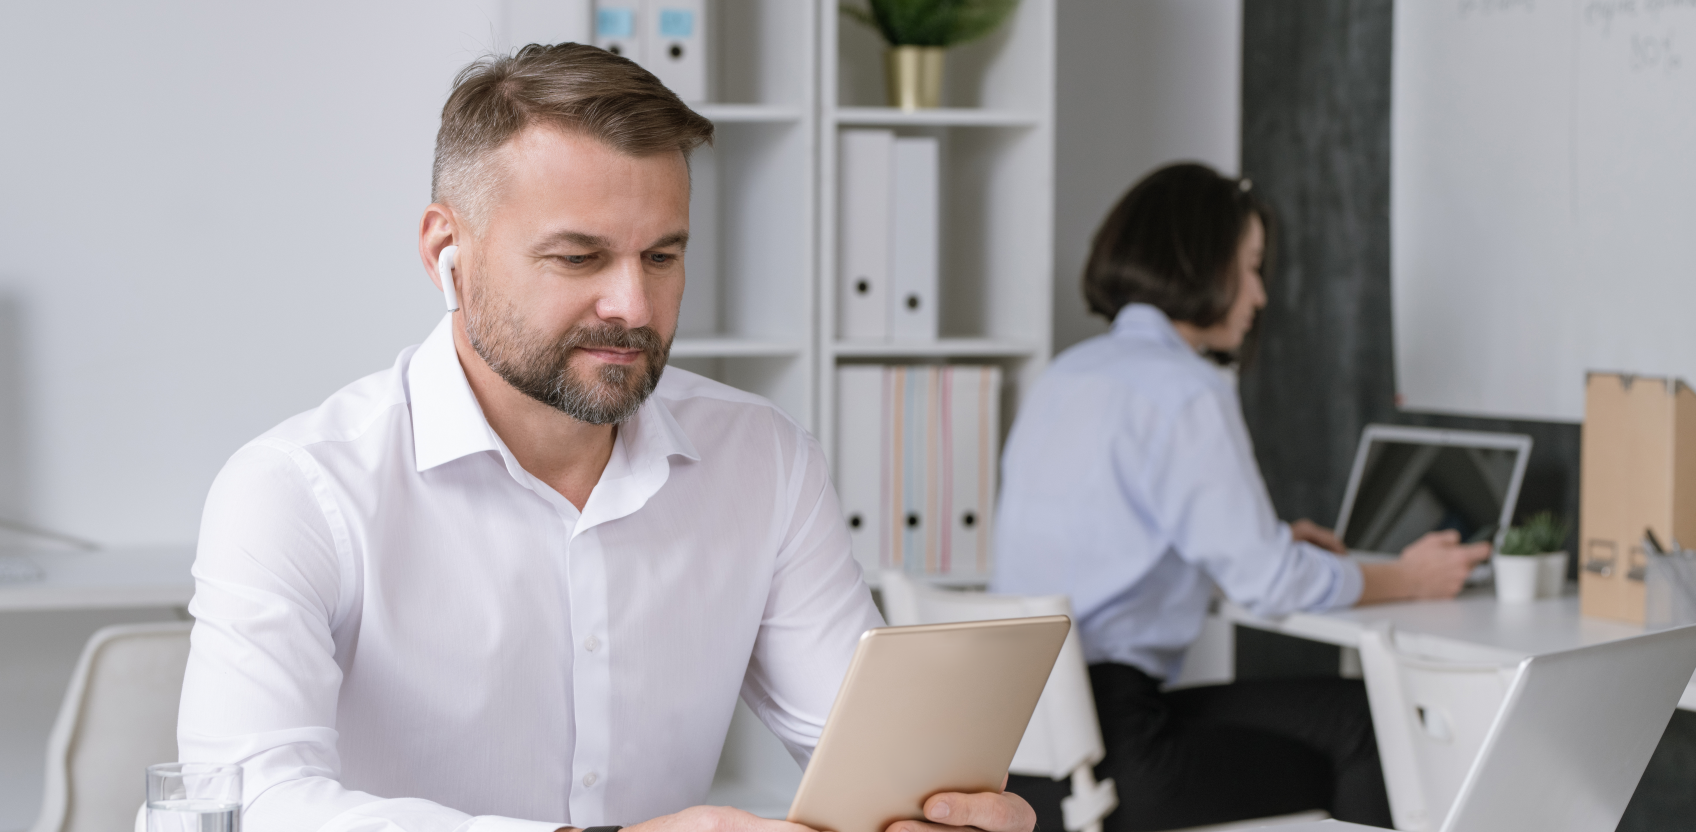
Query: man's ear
x=439, y=229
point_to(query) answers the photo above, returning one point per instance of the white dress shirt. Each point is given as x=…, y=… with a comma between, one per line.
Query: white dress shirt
x=1130, y=485
x=399, y=628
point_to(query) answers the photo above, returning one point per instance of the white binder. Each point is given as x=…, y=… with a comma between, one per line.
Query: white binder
x=862, y=297
x=618, y=28
x=972, y=396
x=859, y=458
x=912, y=471
x=675, y=46
x=915, y=228
x=916, y=459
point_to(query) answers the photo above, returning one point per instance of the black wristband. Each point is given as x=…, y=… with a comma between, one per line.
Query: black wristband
x=602, y=828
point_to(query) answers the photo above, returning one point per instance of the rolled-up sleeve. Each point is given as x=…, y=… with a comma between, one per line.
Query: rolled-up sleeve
x=1207, y=488
x=273, y=577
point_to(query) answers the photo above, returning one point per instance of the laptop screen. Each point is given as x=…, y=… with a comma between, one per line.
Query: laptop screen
x=1409, y=488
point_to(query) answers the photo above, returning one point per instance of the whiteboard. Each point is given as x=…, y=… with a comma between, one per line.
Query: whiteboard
x=1543, y=200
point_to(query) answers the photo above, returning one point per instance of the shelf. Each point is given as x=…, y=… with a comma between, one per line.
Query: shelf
x=732, y=348
x=965, y=582
x=748, y=113
x=941, y=348
x=941, y=117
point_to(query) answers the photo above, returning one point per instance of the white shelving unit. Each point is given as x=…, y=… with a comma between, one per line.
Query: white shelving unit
x=748, y=311
x=787, y=77
x=996, y=132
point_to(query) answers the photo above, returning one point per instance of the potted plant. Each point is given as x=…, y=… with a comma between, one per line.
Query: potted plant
x=919, y=33
x=1531, y=562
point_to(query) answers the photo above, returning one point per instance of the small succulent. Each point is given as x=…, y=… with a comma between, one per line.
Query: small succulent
x=1540, y=533
x=932, y=22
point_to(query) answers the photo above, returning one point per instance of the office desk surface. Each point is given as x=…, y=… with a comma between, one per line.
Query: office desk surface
x=1321, y=826
x=1471, y=628
x=114, y=578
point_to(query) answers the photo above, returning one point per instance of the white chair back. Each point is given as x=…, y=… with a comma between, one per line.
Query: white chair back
x=1063, y=738
x=1431, y=718
x=119, y=716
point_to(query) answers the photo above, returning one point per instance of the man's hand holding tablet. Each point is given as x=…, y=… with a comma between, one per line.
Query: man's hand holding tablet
x=988, y=811
x=925, y=725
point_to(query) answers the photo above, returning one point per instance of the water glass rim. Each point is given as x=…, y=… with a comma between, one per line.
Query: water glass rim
x=194, y=768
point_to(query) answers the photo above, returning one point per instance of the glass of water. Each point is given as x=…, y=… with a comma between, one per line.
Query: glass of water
x=193, y=797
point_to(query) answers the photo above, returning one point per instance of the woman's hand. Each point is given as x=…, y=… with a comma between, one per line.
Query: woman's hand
x=1307, y=531
x=1434, y=566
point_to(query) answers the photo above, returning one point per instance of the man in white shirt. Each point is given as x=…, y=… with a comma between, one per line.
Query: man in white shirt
x=518, y=580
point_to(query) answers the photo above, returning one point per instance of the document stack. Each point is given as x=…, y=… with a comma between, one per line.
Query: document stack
x=667, y=37
x=916, y=457
x=890, y=225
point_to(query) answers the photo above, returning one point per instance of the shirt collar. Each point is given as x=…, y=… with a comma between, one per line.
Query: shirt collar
x=448, y=423
x=1145, y=322
x=654, y=433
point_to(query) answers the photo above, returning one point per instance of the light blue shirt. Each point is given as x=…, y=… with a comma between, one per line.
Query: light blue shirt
x=1130, y=485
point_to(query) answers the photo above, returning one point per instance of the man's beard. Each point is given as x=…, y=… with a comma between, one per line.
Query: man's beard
x=541, y=369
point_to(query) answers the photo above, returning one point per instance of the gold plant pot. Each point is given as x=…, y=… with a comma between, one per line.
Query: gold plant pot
x=914, y=75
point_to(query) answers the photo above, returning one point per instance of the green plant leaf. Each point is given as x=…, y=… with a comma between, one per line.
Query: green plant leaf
x=932, y=22
x=863, y=16
x=1541, y=533
x=975, y=18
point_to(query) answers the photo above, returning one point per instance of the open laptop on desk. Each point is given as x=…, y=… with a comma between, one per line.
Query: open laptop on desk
x=1572, y=738
x=1408, y=481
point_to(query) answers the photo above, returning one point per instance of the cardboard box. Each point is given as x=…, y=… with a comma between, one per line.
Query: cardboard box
x=1638, y=469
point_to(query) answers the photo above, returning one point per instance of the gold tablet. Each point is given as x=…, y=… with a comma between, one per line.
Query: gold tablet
x=926, y=709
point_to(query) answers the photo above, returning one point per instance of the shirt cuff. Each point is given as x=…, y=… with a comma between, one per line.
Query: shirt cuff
x=495, y=823
x=1350, y=583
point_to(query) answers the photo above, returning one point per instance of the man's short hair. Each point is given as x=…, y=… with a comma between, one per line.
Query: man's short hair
x=569, y=86
x=1171, y=242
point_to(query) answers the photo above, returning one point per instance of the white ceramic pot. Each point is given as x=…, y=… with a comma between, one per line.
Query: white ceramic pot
x=1551, y=574
x=1516, y=577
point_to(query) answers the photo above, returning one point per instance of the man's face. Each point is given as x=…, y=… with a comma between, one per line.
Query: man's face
x=574, y=282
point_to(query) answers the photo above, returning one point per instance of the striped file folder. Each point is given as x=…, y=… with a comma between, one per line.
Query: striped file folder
x=916, y=459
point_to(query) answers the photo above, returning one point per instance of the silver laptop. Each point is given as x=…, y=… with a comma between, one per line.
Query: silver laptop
x=1409, y=481
x=1573, y=736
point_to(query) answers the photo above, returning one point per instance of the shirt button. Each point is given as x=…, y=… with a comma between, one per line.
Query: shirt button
x=591, y=644
x=590, y=779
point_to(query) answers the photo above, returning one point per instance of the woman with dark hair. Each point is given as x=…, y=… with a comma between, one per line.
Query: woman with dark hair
x=1130, y=485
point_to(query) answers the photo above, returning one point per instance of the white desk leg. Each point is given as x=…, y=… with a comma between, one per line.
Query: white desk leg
x=1348, y=663
x=1212, y=659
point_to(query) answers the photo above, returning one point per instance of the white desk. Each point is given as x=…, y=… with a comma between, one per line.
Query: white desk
x=43, y=627
x=103, y=580
x=1471, y=628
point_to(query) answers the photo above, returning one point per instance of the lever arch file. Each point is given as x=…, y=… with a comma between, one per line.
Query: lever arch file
x=916, y=460
x=915, y=227
x=863, y=257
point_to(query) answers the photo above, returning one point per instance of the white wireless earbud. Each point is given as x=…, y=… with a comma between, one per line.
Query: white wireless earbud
x=444, y=271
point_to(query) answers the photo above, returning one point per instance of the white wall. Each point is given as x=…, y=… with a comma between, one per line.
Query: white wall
x=208, y=217
x=1140, y=84
x=208, y=212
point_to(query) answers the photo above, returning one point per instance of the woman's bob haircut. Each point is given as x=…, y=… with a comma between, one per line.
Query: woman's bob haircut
x=1171, y=242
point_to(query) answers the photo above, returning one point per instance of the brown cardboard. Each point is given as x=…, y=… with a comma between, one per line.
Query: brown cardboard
x=1638, y=464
